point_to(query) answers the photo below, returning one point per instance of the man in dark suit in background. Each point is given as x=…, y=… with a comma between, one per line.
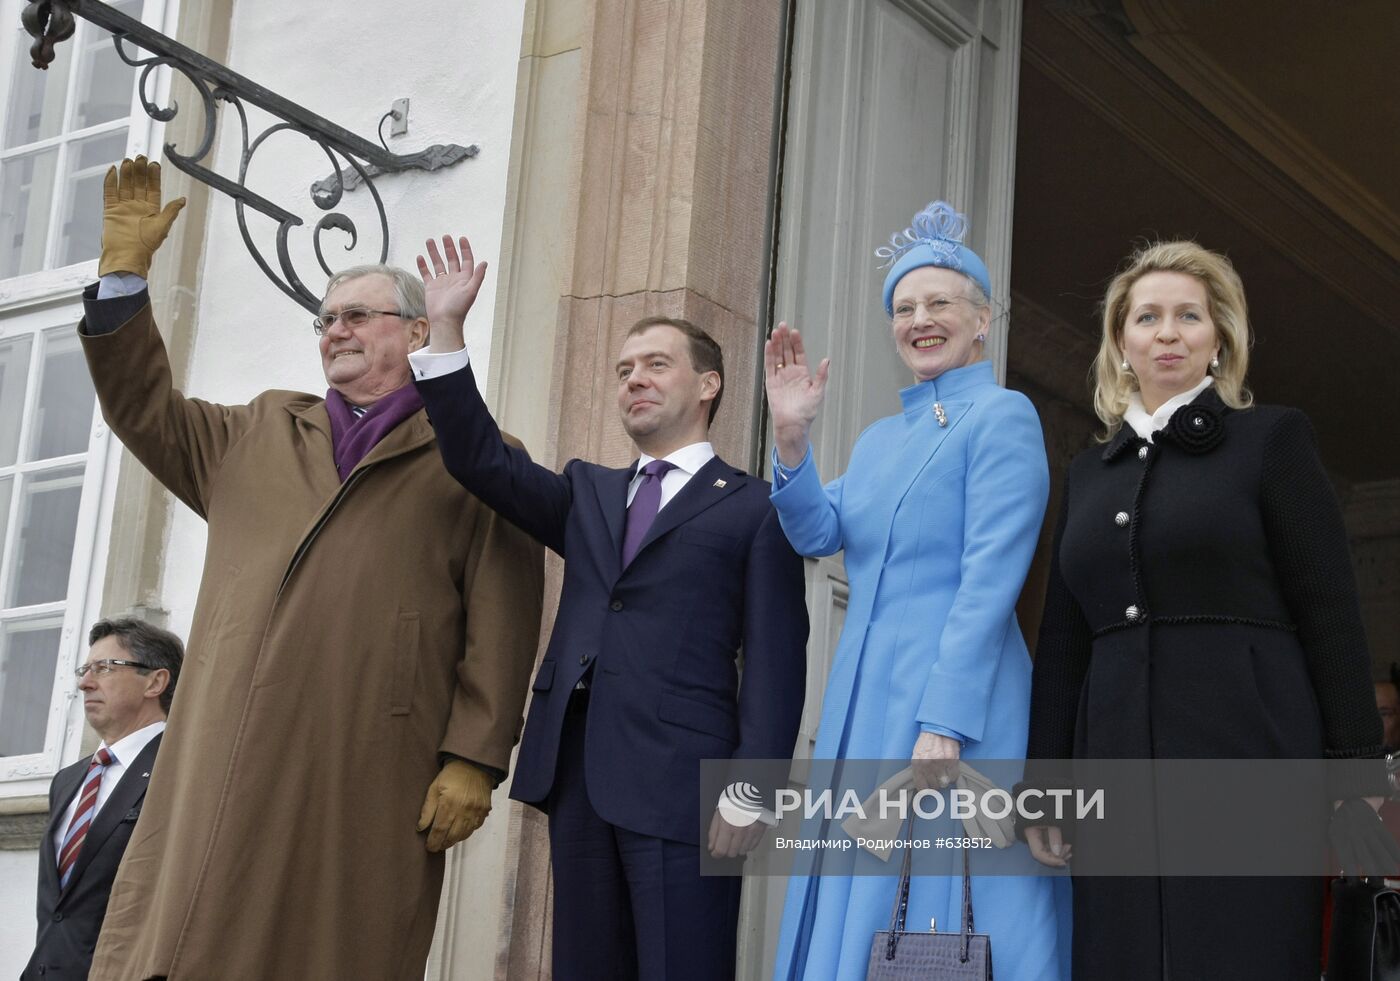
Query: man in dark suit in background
x=127, y=684
x=672, y=566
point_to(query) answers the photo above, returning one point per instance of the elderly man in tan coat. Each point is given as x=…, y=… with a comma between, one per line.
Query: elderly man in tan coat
x=361, y=646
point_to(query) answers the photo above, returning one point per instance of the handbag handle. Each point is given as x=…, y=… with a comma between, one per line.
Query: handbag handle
x=901, y=900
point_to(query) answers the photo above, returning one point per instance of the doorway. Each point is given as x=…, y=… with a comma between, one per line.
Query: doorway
x=1245, y=126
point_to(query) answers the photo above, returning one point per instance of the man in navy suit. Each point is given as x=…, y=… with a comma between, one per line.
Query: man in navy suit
x=127, y=684
x=673, y=566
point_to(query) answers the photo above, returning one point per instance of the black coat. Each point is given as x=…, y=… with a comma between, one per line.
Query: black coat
x=1202, y=604
x=71, y=917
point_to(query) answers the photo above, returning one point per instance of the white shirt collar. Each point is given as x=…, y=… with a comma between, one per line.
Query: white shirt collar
x=688, y=458
x=130, y=746
x=1145, y=423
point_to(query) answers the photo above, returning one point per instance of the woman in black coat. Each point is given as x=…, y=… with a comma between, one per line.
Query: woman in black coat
x=1201, y=604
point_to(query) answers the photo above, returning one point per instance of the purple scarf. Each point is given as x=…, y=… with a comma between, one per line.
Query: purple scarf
x=352, y=438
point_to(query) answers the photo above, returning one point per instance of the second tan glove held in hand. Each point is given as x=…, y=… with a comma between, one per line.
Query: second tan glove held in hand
x=133, y=222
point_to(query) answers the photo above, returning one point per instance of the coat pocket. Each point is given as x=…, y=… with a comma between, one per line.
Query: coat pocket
x=703, y=717
x=720, y=542
x=544, y=677
x=405, y=664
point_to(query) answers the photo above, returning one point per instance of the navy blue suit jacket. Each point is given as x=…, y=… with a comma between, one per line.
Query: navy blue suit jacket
x=714, y=576
x=70, y=917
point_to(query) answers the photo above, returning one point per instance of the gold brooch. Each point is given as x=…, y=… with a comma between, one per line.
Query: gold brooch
x=940, y=415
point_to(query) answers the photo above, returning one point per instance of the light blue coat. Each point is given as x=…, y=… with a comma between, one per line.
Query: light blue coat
x=938, y=524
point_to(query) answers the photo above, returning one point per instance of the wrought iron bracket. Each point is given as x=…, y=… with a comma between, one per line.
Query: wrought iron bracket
x=353, y=160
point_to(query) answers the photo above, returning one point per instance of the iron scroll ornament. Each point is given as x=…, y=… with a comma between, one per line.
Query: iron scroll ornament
x=353, y=160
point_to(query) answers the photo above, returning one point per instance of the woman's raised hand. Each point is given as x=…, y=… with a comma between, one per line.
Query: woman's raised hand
x=795, y=392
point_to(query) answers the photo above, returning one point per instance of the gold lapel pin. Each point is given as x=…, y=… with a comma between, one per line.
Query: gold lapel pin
x=940, y=415
x=719, y=483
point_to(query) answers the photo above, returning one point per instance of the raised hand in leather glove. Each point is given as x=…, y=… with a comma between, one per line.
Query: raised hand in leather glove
x=457, y=804
x=133, y=222
x=1363, y=844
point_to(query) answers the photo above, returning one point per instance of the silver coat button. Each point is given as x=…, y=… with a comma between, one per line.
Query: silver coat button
x=1142, y=453
x=1121, y=519
x=1133, y=614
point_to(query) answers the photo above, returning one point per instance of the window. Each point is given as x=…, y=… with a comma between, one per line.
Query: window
x=59, y=132
x=62, y=129
x=46, y=423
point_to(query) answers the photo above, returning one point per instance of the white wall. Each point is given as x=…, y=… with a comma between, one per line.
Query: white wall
x=19, y=871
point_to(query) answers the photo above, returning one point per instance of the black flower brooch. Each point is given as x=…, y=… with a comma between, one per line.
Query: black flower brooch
x=1195, y=428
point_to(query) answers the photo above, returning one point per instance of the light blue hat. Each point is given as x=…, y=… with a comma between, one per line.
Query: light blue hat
x=934, y=238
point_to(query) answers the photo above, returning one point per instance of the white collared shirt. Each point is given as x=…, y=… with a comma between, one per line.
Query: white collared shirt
x=1145, y=424
x=123, y=751
x=688, y=461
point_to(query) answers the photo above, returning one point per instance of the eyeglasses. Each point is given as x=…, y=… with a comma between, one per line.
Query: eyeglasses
x=354, y=318
x=104, y=667
x=905, y=310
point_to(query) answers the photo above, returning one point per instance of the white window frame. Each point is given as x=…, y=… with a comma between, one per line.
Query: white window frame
x=31, y=304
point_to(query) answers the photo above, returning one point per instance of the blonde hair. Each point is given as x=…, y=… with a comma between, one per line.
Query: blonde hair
x=1225, y=303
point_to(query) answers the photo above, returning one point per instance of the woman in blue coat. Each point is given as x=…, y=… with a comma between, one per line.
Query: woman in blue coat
x=938, y=516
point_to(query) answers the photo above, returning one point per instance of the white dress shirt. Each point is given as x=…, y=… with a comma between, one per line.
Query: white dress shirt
x=1145, y=423
x=688, y=460
x=123, y=751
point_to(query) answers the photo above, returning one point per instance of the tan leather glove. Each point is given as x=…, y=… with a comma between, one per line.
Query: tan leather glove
x=457, y=804
x=133, y=222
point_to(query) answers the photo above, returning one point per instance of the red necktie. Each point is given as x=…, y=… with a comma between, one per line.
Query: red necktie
x=82, y=817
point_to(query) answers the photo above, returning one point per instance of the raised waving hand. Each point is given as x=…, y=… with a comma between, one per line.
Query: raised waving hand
x=451, y=281
x=795, y=392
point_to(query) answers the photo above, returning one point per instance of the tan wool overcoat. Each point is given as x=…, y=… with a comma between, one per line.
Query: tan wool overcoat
x=345, y=635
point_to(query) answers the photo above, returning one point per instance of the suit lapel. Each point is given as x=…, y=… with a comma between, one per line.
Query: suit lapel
x=713, y=482
x=124, y=796
x=611, y=488
x=66, y=785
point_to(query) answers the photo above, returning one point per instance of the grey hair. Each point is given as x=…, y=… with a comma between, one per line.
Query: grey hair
x=975, y=292
x=408, y=288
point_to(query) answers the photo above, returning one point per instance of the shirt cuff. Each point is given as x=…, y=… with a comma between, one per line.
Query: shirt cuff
x=782, y=474
x=434, y=364
x=944, y=731
x=119, y=284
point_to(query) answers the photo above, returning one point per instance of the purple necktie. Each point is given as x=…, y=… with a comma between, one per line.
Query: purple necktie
x=645, y=503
